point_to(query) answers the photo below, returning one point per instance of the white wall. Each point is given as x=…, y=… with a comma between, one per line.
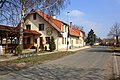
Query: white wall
x=35, y=26
x=58, y=40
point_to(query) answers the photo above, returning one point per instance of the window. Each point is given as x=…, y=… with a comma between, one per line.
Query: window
x=28, y=40
x=80, y=41
x=62, y=40
x=35, y=41
x=34, y=16
x=28, y=27
x=41, y=27
x=70, y=41
x=77, y=41
x=63, y=28
x=47, y=40
x=65, y=40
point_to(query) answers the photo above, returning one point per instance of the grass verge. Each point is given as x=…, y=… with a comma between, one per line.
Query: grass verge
x=38, y=59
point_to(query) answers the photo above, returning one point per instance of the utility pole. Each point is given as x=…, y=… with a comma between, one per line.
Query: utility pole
x=67, y=31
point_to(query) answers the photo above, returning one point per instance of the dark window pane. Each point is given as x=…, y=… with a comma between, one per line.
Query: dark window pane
x=36, y=41
x=28, y=40
x=47, y=40
x=28, y=27
x=34, y=16
x=41, y=27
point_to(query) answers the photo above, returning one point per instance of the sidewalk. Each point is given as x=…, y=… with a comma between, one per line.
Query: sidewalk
x=15, y=57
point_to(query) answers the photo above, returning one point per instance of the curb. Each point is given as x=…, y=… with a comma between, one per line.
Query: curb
x=75, y=49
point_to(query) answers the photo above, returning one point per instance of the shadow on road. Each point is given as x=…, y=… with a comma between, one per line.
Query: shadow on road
x=51, y=72
x=106, y=51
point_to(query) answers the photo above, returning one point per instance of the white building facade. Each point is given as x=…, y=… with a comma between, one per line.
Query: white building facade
x=66, y=37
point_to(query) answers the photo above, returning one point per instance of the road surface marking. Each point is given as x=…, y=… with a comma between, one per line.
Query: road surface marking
x=116, y=65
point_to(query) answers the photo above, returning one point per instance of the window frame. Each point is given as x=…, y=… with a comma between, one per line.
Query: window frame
x=47, y=40
x=28, y=40
x=34, y=16
x=63, y=40
x=77, y=41
x=41, y=29
x=35, y=41
x=28, y=27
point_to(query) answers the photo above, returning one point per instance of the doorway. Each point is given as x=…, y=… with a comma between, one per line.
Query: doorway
x=41, y=41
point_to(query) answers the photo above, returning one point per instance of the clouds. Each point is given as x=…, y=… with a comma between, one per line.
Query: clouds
x=76, y=13
x=83, y=19
x=100, y=29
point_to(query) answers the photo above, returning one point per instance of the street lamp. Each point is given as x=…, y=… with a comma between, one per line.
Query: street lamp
x=67, y=31
x=67, y=17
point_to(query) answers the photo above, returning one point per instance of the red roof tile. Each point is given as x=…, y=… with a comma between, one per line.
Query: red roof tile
x=76, y=30
x=54, y=22
x=15, y=29
x=58, y=24
x=7, y=28
x=73, y=32
x=31, y=32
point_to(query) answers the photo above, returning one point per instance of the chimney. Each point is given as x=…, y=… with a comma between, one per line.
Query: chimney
x=70, y=24
x=52, y=15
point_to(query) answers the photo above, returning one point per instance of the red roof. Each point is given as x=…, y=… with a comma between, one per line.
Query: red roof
x=31, y=32
x=54, y=22
x=57, y=24
x=15, y=29
x=73, y=31
x=7, y=28
x=76, y=30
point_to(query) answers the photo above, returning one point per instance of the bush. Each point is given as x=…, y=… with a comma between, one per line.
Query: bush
x=42, y=47
x=52, y=45
x=19, y=49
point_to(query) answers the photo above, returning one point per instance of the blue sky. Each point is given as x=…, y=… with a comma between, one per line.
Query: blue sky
x=98, y=15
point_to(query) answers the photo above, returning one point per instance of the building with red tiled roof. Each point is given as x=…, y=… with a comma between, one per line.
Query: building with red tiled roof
x=9, y=37
x=39, y=27
x=48, y=26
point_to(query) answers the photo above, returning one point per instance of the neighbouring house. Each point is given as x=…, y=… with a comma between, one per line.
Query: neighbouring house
x=39, y=27
x=9, y=37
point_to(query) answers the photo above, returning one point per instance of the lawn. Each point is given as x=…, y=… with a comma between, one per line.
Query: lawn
x=38, y=59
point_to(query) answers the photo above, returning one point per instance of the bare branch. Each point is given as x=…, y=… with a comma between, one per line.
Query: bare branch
x=12, y=8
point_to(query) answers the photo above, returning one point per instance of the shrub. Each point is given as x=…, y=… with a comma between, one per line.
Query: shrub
x=52, y=45
x=19, y=49
x=42, y=47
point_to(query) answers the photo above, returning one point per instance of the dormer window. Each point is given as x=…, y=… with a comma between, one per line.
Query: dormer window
x=28, y=27
x=34, y=16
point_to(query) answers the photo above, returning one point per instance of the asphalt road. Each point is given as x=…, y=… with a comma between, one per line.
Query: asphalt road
x=89, y=64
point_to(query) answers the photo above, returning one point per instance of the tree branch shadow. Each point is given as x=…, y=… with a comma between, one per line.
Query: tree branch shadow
x=53, y=72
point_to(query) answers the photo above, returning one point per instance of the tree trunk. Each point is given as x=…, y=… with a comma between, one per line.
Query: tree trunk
x=22, y=25
x=117, y=41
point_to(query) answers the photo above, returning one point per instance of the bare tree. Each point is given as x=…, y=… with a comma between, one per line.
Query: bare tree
x=115, y=32
x=78, y=27
x=12, y=11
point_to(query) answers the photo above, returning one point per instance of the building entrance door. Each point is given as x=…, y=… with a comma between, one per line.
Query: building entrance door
x=41, y=41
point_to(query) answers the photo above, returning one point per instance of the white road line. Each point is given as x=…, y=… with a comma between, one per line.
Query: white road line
x=116, y=65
